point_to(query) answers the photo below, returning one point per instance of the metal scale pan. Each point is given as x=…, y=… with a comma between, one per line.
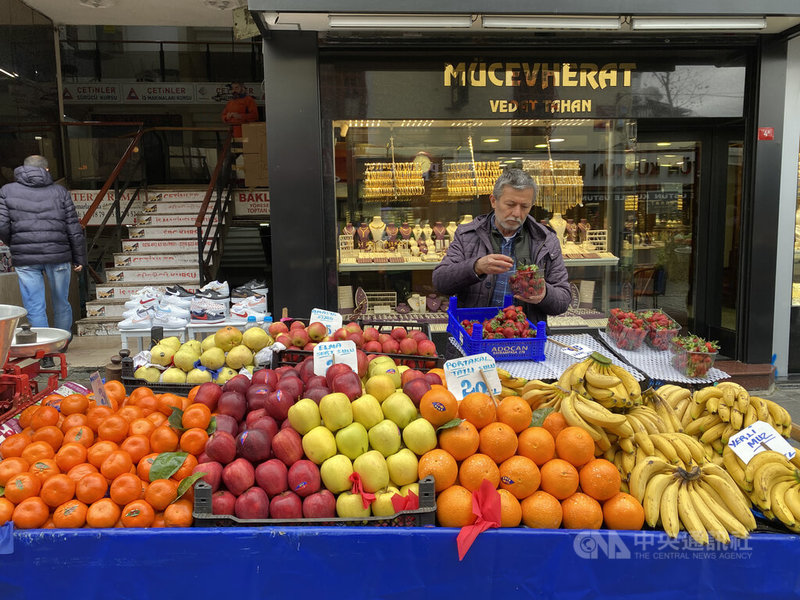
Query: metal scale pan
x=48, y=339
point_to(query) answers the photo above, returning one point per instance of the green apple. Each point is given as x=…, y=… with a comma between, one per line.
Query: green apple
x=399, y=408
x=402, y=467
x=411, y=487
x=304, y=416
x=385, y=437
x=352, y=440
x=335, y=473
x=371, y=466
x=419, y=436
x=380, y=386
x=351, y=506
x=319, y=444
x=335, y=411
x=382, y=506
x=367, y=411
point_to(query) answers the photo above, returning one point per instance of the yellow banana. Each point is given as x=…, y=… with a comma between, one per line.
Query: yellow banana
x=693, y=445
x=712, y=405
x=573, y=418
x=737, y=418
x=761, y=459
x=766, y=477
x=628, y=381
x=750, y=417
x=628, y=462
x=644, y=443
x=653, y=494
x=724, y=413
x=596, y=414
x=735, y=468
x=622, y=431
x=642, y=472
x=691, y=521
x=670, y=520
x=733, y=498
x=792, y=498
x=719, y=509
x=635, y=423
x=666, y=448
x=702, y=395
x=742, y=400
x=680, y=447
x=675, y=396
x=713, y=433
x=598, y=393
x=708, y=517
x=595, y=377
x=761, y=408
x=778, y=503
x=626, y=445
x=728, y=396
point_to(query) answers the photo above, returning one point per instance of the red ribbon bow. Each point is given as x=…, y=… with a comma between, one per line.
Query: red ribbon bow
x=409, y=502
x=486, y=508
x=358, y=488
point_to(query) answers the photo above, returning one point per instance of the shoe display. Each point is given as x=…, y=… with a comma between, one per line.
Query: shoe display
x=252, y=287
x=132, y=311
x=143, y=298
x=168, y=321
x=178, y=291
x=257, y=303
x=141, y=320
x=178, y=301
x=220, y=288
x=173, y=310
x=240, y=314
x=206, y=311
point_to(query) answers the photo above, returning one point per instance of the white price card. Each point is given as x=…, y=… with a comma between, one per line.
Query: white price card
x=326, y=353
x=758, y=437
x=463, y=375
x=99, y=391
x=331, y=320
x=578, y=351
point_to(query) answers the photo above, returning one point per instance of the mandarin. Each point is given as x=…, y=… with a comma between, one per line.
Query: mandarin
x=460, y=441
x=600, y=479
x=31, y=513
x=520, y=476
x=510, y=509
x=514, y=412
x=559, y=478
x=575, y=445
x=70, y=515
x=623, y=511
x=438, y=406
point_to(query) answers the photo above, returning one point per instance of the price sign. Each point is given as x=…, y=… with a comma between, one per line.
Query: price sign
x=331, y=320
x=578, y=351
x=466, y=375
x=99, y=391
x=325, y=353
x=758, y=437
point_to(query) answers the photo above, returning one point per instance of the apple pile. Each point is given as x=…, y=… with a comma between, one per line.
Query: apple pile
x=509, y=322
x=288, y=443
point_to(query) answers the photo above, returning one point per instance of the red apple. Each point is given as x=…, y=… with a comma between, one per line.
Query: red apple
x=426, y=348
x=408, y=346
x=383, y=337
x=353, y=327
x=284, y=339
x=278, y=405
x=266, y=423
x=316, y=381
x=227, y=423
x=320, y=505
x=373, y=346
x=208, y=393
x=287, y=424
x=310, y=346
x=296, y=325
x=281, y=372
x=252, y=504
x=233, y=404
x=260, y=377
x=304, y=478
x=316, y=393
x=286, y=505
x=410, y=374
x=293, y=386
x=221, y=447
x=254, y=445
x=399, y=333
x=371, y=334
x=287, y=446
x=277, y=328
x=317, y=331
x=213, y=473
x=239, y=383
x=363, y=363
x=418, y=335
x=257, y=395
x=348, y=384
x=335, y=370
x=416, y=388
x=238, y=476
x=433, y=379
x=339, y=335
x=357, y=338
x=271, y=476
x=254, y=415
x=391, y=346
x=299, y=337
x=223, y=503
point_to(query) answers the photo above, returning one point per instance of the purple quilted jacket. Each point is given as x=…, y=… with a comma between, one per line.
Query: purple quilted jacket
x=455, y=275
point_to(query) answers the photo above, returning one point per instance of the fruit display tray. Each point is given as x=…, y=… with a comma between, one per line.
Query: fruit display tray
x=424, y=516
x=500, y=350
x=131, y=383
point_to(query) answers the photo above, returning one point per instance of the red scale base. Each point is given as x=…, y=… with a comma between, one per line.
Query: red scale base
x=19, y=387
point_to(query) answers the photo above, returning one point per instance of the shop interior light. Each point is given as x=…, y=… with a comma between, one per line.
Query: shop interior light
x=671, y=23
x=556, y=140
x=399, y=21
x=540, y=146
x=522, y=22
x=98, y=3
x=490, y=140
x=10, y=74
x=663, y=143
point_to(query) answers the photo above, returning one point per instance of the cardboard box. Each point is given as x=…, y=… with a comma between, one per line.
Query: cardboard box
x=255, y=169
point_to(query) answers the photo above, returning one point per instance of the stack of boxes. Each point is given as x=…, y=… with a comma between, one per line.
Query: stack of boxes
x=254, y=149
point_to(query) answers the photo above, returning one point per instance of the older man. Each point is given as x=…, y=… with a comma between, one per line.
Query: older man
x=485, y=252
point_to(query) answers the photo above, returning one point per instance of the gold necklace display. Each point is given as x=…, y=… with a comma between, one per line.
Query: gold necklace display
x=393, y=180
x=559, y=181
x=471, y=178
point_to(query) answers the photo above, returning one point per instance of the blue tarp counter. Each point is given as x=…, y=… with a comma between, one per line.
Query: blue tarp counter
x=406, y=563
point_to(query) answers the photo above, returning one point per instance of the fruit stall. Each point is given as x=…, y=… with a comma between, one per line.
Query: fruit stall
x=267, y=457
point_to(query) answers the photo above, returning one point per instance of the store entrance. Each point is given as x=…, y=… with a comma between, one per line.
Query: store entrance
x=691, y=185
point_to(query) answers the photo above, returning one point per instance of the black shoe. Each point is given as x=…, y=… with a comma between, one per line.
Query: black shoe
x=47, y=363
x=179, y=291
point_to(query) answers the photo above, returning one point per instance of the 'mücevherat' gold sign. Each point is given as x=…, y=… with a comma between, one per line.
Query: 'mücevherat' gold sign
x=512, y=74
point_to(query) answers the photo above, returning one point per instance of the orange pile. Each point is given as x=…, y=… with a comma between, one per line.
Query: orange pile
x=79, y=464
x=547, y=476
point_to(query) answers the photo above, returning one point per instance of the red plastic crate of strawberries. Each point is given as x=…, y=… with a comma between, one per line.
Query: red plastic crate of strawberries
x=692, y=355
x=626, y=329
x=661, y=328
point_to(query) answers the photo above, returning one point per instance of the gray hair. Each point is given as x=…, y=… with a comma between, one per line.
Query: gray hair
x=36, y=161
x=517, y=179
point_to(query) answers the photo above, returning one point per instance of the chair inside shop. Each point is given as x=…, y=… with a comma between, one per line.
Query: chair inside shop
x=649, y=281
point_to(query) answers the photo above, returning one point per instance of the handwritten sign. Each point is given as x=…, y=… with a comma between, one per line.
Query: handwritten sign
x=758, y=437
x=99, y=391
x=331, y=320
x=463, y=375
x=343, y=352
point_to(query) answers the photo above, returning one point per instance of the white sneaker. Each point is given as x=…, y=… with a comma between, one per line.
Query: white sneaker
x=144, y=298
x=173, y=310
x=179, y=301
x=141, y=320
x=206, y=311
x=221, y=288
x=240, y=314
x=167, y=321
x=256, y=303
x=132, y=311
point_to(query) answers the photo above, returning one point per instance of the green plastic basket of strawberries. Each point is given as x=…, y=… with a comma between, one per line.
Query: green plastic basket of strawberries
x=626, y=329
x=692, y=355
x=661, y=328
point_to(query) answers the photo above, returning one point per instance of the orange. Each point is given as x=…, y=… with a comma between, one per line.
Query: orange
x=50, y=434
x=514, y=412
x=600, y=479
x=130, y=413
x=623, y=511
x=44, y=469
x=26, y=415
x=138, y=446
x=102, y=513
x=510, y=509
x=73, y=420
x=537, y=444
x=441, y=465
x=70, y=515
x=143, y=468
x=113, y=428
x=126, y=488
x=57, y=490
x=168, y=402
x=138, y=514
x=193, y=392
x=6, y=510
x=148, y=404
x=554, y=423
x=96, y=415
x=91, y=487
x=498, y=442
x=460, y=441
x=46, y=415
x=99, y=451
x=157, y=418
x=194, y=441
x=37, y=451
x=575, y=445
x=74, y=404
x=197, y=415
x=140, y=392
x=178, y=514
x=582, y=512
x=189, y=463
x=69, y=455
x=475, y=469
x=161, y=492
x=115, y=390
x=12, y=466
x=21, y=486
x=541, y=511
x=31, y=513
x=13, y=445
x=115, y=464
x=559, y=478
x=478, y=409
x=520, y=476
x=82, y=434
x=142, y=426
x=164, y=439
x=438, y=406
x=454, y=507
x=158, y=521
x=78, y=472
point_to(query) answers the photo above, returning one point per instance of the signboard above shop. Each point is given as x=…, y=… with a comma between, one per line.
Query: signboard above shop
x=155, y=93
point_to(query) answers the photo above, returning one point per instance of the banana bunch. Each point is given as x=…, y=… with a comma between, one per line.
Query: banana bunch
x=607, y=429
x=715, y=413
x=598, y=378
x=675, y=448
x=511, y=385
x=663, y=407
x=772, y=481
x=540, y=394
x=702, y=500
